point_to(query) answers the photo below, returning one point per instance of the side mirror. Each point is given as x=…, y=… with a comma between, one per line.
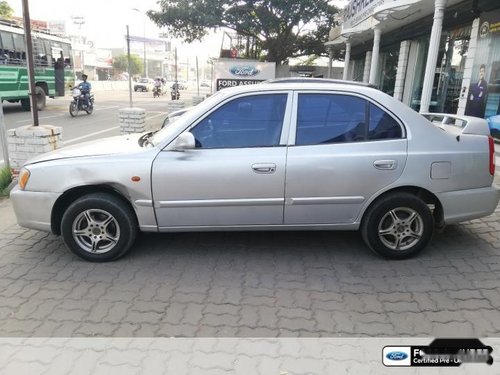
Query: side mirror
x=184, y=141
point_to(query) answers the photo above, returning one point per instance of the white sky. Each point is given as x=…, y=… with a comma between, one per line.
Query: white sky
x=106, y=20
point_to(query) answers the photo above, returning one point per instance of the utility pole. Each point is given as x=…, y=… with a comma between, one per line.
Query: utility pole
x=29, y=60
x=129, y=70
x=175, y=57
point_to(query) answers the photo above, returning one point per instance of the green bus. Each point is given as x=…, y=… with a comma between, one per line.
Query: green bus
x=54, y=72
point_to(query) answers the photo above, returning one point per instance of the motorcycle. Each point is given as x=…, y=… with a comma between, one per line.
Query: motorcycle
x=175, y=94
x=157, y=92
x=78, y=103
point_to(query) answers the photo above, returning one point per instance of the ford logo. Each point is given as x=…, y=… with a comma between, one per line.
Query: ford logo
x=244, y=71
x=396, y=356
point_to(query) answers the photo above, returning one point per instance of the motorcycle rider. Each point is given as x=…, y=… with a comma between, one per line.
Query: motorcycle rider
x=175, y=93
x=85, y=88
x=158, y=86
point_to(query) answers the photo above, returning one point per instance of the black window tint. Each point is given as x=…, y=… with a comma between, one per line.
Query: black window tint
x=253, y=121
x=382, y=125
x=328, y=118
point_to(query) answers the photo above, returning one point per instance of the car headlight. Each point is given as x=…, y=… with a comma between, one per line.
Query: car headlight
x=24, y=176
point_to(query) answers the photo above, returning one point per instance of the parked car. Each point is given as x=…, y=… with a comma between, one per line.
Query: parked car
x=293, y=154
x=144, y=84
x=494, y=124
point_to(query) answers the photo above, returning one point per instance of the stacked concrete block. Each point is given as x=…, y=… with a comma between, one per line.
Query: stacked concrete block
x=175, y=105
x=197, y=99
x=29, y=141
x=132, y=120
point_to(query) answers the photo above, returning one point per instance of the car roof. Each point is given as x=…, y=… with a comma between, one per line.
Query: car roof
x=305, y=84
x=319, y=80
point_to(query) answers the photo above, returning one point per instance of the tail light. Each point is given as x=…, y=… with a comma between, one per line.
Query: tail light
x=492, y=155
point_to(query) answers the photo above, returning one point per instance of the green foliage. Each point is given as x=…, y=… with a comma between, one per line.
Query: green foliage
x=5, y=180
x=5, y=10
x=120, y=63
x=283, y=28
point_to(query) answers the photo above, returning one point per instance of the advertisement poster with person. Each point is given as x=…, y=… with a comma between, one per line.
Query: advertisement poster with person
x=483, y=96
x=477, y=95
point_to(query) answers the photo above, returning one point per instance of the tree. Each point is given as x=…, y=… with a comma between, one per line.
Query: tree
x=283, y=28
x=5, y=10
x=120, y=63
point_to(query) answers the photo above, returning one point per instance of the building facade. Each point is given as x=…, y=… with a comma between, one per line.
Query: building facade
x=433, y=55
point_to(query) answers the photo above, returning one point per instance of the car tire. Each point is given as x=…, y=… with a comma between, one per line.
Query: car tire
x=99, y=227
x=397, y=226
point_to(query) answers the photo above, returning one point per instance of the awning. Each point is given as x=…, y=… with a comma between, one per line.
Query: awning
x=395, y=8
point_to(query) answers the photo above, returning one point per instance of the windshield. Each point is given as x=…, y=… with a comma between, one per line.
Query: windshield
x=178, y=123
x=143, y=80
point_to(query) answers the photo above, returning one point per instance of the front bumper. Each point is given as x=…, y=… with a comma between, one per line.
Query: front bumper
x=33, y=209
x=469, y=204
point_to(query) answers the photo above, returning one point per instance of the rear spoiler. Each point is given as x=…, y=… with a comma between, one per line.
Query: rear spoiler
x=458, y=124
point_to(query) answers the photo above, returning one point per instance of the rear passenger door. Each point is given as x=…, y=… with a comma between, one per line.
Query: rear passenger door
x=343, y=149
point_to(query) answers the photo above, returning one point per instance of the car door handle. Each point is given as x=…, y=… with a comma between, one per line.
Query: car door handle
x=264, y=168
x=385, y=164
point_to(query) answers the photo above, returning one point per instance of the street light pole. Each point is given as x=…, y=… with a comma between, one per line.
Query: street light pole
x=29, y=60
x=129, y=70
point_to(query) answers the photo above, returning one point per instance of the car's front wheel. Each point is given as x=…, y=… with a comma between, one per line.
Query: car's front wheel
x=398, y=226
x=99, y=227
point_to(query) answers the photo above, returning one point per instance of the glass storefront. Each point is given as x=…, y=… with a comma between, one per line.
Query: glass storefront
x=448, y=73
x=388, y=68
x=359, y=67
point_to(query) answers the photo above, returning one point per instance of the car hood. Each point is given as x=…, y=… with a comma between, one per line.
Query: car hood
x=107, y=146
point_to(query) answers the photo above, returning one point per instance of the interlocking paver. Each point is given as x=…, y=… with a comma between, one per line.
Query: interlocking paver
x=244, y=284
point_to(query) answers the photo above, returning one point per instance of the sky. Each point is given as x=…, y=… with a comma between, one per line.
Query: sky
x=106, y=20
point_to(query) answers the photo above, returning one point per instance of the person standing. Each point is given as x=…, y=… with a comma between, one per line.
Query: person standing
x=477, y=95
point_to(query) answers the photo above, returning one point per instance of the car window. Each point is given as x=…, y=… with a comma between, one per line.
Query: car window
x=330, y=118
x=382, y=125
x=251, y=121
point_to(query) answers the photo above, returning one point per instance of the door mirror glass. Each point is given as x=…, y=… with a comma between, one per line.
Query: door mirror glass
x=184, y=141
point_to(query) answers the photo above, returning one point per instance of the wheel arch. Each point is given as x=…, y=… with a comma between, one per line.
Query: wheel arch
x=44, y=86
x=69, y=196
x=427, y=196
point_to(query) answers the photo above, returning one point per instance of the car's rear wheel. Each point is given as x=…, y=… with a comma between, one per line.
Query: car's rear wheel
x=99, y=227
x=397, y=226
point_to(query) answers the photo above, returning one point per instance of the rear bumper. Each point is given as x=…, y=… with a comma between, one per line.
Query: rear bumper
x=33, y=209
x=469, y=204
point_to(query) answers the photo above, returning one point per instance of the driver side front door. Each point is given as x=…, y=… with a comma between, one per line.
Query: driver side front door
x=236, y=174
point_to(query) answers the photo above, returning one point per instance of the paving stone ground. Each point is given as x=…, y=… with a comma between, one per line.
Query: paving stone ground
x=242, y=303
x=254, y=284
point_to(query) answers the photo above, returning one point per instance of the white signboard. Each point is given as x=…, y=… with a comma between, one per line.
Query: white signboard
x=57, y=27
x=237, y=72
x=359, y=10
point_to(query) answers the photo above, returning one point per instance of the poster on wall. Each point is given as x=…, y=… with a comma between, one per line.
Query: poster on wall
x=483, y=98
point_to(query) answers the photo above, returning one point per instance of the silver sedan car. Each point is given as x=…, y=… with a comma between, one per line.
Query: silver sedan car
x=283, y=155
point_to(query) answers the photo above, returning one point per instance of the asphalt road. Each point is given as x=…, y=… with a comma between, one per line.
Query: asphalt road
x=102, y=123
